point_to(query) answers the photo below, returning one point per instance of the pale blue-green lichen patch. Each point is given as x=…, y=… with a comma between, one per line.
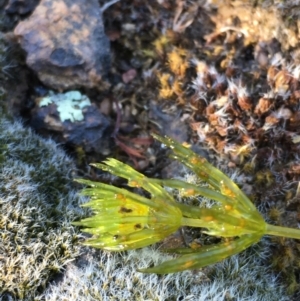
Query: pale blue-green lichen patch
x=69, y=104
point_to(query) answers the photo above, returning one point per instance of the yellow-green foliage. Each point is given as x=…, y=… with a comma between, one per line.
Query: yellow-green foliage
x=123, y=220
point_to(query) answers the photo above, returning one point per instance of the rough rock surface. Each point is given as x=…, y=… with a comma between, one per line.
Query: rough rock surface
x=21, y=7
x=65, y=43
x=92, y=133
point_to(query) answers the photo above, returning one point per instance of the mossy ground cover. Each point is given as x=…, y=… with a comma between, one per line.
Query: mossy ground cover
x=37, y=204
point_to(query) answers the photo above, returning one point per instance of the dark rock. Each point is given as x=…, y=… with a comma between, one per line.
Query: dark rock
x=171, y=125
x=65, y=44
x=92, y=132
x=21, y=7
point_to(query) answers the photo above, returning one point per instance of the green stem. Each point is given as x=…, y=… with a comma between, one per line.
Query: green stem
x=193, y=222
x=282, y=231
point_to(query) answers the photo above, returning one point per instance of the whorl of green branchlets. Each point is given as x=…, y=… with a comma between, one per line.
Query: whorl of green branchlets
x=124, y=220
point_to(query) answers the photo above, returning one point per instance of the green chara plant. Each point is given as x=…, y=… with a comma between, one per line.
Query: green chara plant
x=124, y=220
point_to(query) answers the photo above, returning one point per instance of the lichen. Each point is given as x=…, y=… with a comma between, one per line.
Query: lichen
x=69, y=104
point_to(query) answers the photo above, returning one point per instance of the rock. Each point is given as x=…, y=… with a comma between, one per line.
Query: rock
x=21, y=7
x=93, y=134
x=171, y=125
x=72, y=119
x=65, y=44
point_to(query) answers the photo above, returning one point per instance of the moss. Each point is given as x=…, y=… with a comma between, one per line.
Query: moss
x=8, y=61
x=111, y=276
x=37, y=204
